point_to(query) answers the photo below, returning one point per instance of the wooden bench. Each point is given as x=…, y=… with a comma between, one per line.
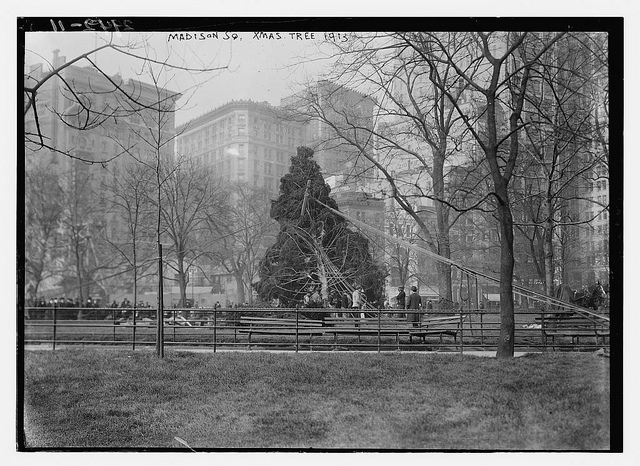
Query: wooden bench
x=279, y=326
x=445, y=325
x=574, y=326
x=362, y=326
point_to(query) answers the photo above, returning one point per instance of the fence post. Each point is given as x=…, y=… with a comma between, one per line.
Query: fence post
x=544, y=340
x=297, y=330
x=134, y=326
x=235, y=327
x=55, y=318
x=379, y=329
x=174, y=325
x=215, y=327
x=461, y=333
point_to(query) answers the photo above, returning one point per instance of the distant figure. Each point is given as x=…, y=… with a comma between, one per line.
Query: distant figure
x=356, y=298
x=316, y=300
x=400, y=298
x=346, y=300
x=414, y=304
x=337, y=300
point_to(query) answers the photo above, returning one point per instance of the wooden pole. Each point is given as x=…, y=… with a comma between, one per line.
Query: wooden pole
x=160, y=313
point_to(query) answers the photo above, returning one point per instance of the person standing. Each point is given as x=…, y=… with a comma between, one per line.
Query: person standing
x=400, y=299
x=414, y=304
x=356, y=300
x=316, y=300
x=346, y=300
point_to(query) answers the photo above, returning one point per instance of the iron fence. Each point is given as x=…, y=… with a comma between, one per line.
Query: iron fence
x=289, y=329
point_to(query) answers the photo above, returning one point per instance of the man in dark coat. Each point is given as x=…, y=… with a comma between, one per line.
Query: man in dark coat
x=400, y=299
x=414, y=304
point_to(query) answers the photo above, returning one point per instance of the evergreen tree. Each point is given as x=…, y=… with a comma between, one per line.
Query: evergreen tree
x=314, y=247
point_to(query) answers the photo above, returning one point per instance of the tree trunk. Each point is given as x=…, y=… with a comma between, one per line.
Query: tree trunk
x=160, y=310
x=182, y=284
x=135, y=280
x=507, y=324
x=240, y=294
x=445, y=286
x=547, y=247
x=442, y=226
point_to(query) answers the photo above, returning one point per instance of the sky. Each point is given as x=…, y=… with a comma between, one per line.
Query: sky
x=260, y=69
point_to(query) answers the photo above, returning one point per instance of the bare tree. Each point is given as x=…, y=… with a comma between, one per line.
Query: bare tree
x=43, y=215
x=411, y=137
x=250, y=231
x=562, y=159
x=497, y=67
x=132, y=219
x=193, y=211
x=83, y=226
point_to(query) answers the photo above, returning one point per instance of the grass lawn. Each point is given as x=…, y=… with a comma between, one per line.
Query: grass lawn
x=96, y=398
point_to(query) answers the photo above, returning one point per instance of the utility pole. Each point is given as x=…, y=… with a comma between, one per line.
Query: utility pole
x=160, y=313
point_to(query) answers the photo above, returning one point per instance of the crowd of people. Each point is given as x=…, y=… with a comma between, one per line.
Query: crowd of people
x=76, y=303
x=357, y=299
x=63, y=302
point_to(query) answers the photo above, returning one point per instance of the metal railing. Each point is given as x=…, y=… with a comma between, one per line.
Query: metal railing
x=225, y=329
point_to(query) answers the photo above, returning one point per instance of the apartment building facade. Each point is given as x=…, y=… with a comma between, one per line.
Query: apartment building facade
x=93, y=126
x=243, y=141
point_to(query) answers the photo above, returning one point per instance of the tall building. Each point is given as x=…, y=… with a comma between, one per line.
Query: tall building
x=244, y=141
x=82, y=113
x=88, y=127
x=333, y=112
